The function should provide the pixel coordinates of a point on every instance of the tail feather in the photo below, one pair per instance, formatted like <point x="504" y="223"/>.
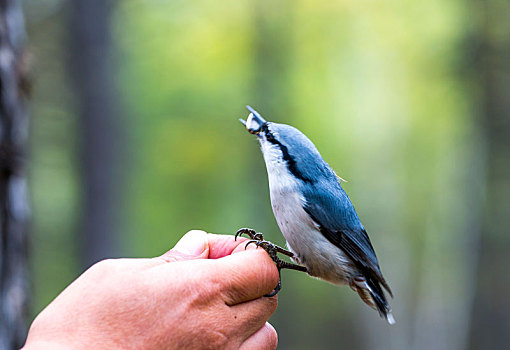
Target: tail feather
<point x="372" y="294"/>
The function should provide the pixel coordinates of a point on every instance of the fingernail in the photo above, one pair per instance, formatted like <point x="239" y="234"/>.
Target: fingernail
<point x="192" y="243"/>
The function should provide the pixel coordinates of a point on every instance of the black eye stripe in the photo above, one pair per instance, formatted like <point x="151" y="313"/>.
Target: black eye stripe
<point x="290" y="161"/>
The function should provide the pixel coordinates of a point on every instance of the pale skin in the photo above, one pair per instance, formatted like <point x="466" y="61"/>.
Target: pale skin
<point x="205" y="293"/>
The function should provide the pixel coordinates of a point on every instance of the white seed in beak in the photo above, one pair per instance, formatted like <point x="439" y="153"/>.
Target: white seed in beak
<point x="253" y="124"/>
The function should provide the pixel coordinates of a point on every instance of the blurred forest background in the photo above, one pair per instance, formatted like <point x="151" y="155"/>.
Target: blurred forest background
<point x="134" y="140"/>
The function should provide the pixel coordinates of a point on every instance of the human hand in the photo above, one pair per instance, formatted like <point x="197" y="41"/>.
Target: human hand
<point x="205" y="293"/>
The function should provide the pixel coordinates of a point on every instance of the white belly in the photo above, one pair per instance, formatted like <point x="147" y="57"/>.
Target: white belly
<point x="322" y="259"/>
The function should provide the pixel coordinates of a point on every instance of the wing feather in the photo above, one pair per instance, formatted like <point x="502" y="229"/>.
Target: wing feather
<point x="343" y="229"/>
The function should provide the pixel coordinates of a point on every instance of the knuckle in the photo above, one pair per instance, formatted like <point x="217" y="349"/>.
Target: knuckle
<point x="264" y="338"/>
<point x="272" y="339"/>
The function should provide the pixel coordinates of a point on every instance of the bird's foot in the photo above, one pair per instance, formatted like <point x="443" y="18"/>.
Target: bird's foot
<point x="272" y="249"/>
<point x="251" y="233"/>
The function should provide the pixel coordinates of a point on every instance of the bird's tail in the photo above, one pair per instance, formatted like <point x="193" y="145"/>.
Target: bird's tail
<point x="372" y="294"/>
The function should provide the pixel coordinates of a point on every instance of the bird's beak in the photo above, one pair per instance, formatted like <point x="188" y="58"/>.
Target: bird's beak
<point x="254" y="122"/>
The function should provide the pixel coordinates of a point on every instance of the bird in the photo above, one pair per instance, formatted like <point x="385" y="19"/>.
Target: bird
<point x="325" y="237"/>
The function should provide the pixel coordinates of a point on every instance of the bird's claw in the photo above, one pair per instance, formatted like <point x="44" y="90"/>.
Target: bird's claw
<point x="251" y="233"/>
<point x="272" y="250"/>
<point x="277" y="288"/>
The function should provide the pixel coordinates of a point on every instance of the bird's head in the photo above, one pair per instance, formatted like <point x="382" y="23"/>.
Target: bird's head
<point x="285" y="148"/>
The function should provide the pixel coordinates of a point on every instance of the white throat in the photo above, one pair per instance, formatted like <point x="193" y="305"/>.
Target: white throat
<point x="280" y="178"/>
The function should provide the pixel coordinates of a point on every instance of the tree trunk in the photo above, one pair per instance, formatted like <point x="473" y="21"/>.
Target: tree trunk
<point x="491" y="317"/>
<point x="93" y="74"/>
<point x="14" y="209"/>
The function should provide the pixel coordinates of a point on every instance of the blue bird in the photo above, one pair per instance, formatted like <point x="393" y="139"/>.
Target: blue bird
<point x="324" y="234"/>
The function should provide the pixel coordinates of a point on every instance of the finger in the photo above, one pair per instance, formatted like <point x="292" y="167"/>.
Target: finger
<point x="244" y="276"/>
<point x="252" y="315"/>
<point x="223" y="245"/>
<point x="198" y="244"/>
<point x="193" y="245"/>
<point x="265" y="338"/>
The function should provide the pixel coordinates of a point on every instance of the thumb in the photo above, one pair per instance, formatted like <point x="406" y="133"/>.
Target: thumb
<point x="193" y="245"/>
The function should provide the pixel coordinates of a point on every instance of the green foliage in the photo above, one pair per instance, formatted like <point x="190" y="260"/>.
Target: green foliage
<point x="376" y="85"/>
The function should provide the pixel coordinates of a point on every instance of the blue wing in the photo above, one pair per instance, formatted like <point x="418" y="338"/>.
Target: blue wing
<point x="330" y="207"/>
